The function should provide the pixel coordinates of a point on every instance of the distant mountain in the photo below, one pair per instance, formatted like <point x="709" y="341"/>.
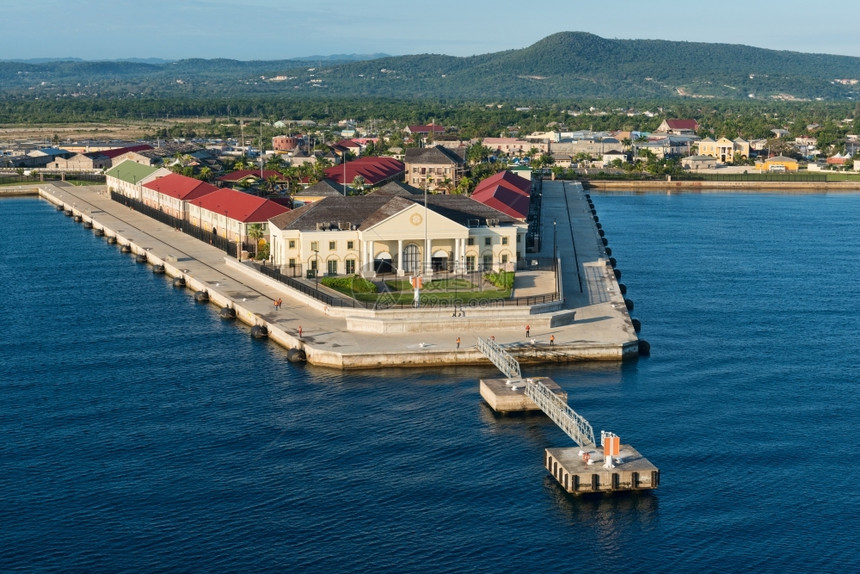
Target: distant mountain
<point x="342" y="58"/>
<point x="566" y="65"/>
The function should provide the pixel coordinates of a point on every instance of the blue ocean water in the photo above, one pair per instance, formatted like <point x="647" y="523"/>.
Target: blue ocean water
<point x="140" y="433"/>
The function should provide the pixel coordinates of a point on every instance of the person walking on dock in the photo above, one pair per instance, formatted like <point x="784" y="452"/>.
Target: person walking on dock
<point x="300" y="331"/>
<point x="528" y="331"/>
<point x="551" y="340"/>
<point x="458" y="342"/>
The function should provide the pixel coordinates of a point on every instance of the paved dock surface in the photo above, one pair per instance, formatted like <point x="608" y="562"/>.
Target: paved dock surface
<point x="600" y="321"/>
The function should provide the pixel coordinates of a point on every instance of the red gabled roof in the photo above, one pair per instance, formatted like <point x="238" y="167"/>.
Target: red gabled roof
<point x="181" y="187"/>
<point x="426" y="129"/>
<point x="373" y="169"/>
<point x="240" y="206"/>
<point x="508" y="201"/>
<point x="348" y="143"/>
<point x="241" y="174"/>
<point x="112" y="153"/>
<point x="506" y="179"/>
<point x="683" y="124"/>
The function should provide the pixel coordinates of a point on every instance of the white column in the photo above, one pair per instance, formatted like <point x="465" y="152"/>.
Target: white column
<point x="399" y="257"/>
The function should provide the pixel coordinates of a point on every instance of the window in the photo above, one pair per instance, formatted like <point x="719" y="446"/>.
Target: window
<point x="332" y="267"/>
<point x="350" y="266"/>
<point x="488" y="241"/>
<point x="292" y="262"/>
<point x="292" y="244"/>
<point x="332" y="245"/>
<point x="315" y="245"/>
<point x="470" y="262"/>
<point x="350" y="244"/>
<point x="411" y="259"/>
<point x="505" y="258"/>
<point x="519" y="238"/>
<point x="504" y="240"/>
<point x="314" y="264"/>
<point x="470" y="241"/>
<point x="488" y="262"/>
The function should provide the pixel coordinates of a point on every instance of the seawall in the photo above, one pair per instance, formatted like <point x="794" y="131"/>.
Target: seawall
<point x="584" y="330"/>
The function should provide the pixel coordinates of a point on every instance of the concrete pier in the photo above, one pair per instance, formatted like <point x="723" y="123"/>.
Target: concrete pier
<point x="506" y="396"/>
<point x="631" y="470"/>
<point x="590" y="323"/>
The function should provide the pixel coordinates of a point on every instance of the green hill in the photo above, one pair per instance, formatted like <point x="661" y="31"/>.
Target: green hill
<point x="564" y="65"/>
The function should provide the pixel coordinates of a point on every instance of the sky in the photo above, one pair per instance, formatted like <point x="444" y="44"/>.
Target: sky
<point x="283" y="29"/>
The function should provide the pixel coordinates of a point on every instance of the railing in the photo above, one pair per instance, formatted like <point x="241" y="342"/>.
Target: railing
<point x="508" y="365"/>
<point x="230" y="247"/>
<point x="428" y="299"/>
<point x="574" y="425"/>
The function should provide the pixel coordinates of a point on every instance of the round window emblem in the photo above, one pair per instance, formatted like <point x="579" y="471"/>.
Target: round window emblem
<point x="416" y="219"/>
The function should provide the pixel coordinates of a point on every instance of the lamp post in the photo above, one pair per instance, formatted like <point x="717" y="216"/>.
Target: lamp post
<point x="554" y="243"/>
<point x="317" y="270"/>
<point x="426" y="236"/>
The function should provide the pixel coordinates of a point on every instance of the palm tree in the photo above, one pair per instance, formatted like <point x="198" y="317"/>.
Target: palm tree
<point x="274" y="162"/>
<point x="255" y="232"/>
<point x="358" y="183"/>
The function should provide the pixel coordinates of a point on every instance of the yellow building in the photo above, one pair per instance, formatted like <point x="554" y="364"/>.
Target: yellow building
<point x="724" y="149"/>
<point x="779" y="163"/>
<point x="380" y="233"/>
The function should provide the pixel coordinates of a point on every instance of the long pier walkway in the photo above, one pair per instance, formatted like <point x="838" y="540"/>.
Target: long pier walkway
<point x="599" y="327"/>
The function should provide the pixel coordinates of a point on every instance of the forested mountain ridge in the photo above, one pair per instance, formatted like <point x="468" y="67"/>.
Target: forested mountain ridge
<point x="564" y="65"/>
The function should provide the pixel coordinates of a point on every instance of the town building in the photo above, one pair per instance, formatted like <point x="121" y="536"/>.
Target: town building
<point x="506" y="192"/>
<point x="434" y="168"/>
<point x="372" y="171"/>
<point x="127" y="178"/>
<point x="515" y="146"/>
<point x="779" y="163"/>
<point x="724" y="149"/>
<point x="678" y="127"/>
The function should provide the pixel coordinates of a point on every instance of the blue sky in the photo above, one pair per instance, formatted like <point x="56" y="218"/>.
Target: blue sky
<point x="278" y="29"/>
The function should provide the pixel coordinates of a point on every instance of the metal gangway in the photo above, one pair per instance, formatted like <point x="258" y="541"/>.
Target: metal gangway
<point x="574" y="425"/>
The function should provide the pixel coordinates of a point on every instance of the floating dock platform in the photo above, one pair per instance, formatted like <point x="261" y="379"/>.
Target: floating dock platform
<point x="578" y="474"/>
<point x="508" y="395"/>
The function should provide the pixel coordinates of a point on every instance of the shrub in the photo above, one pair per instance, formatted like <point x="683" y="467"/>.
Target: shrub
<point x="502" y="279"/>
<point x="349" y="285"/>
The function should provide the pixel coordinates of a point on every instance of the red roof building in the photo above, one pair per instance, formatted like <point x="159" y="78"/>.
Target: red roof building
<point x="678" y="127"/>
<point x="170" y="193"/>
<point x="251" y="176"/>
<point x="374" y="170"/>
<point x="424" y="130"/>
<point x="506" y="192"/>
<point x="229" y="213"/>
<point x="113" y="153"/>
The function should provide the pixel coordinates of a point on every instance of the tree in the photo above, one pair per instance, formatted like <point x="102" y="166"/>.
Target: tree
<point x="274" y="161"/>
<point x="255" y="232"/>
<point x="358" y="183"/>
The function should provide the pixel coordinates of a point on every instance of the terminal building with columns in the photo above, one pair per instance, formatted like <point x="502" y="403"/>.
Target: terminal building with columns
<point x="395" y="233"/>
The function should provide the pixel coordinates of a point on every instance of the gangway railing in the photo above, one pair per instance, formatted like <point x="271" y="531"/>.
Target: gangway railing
<point x="508" y="365"/>
<point x="574" y="425"/>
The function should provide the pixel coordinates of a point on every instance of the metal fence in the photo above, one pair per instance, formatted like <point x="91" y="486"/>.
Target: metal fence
<point x="454" y="299"/>
<point x="230" y="247"/>
<point x="14" y="178"/>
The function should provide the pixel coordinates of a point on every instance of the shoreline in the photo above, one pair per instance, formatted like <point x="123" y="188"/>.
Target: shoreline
<point x="722" y="186"/>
